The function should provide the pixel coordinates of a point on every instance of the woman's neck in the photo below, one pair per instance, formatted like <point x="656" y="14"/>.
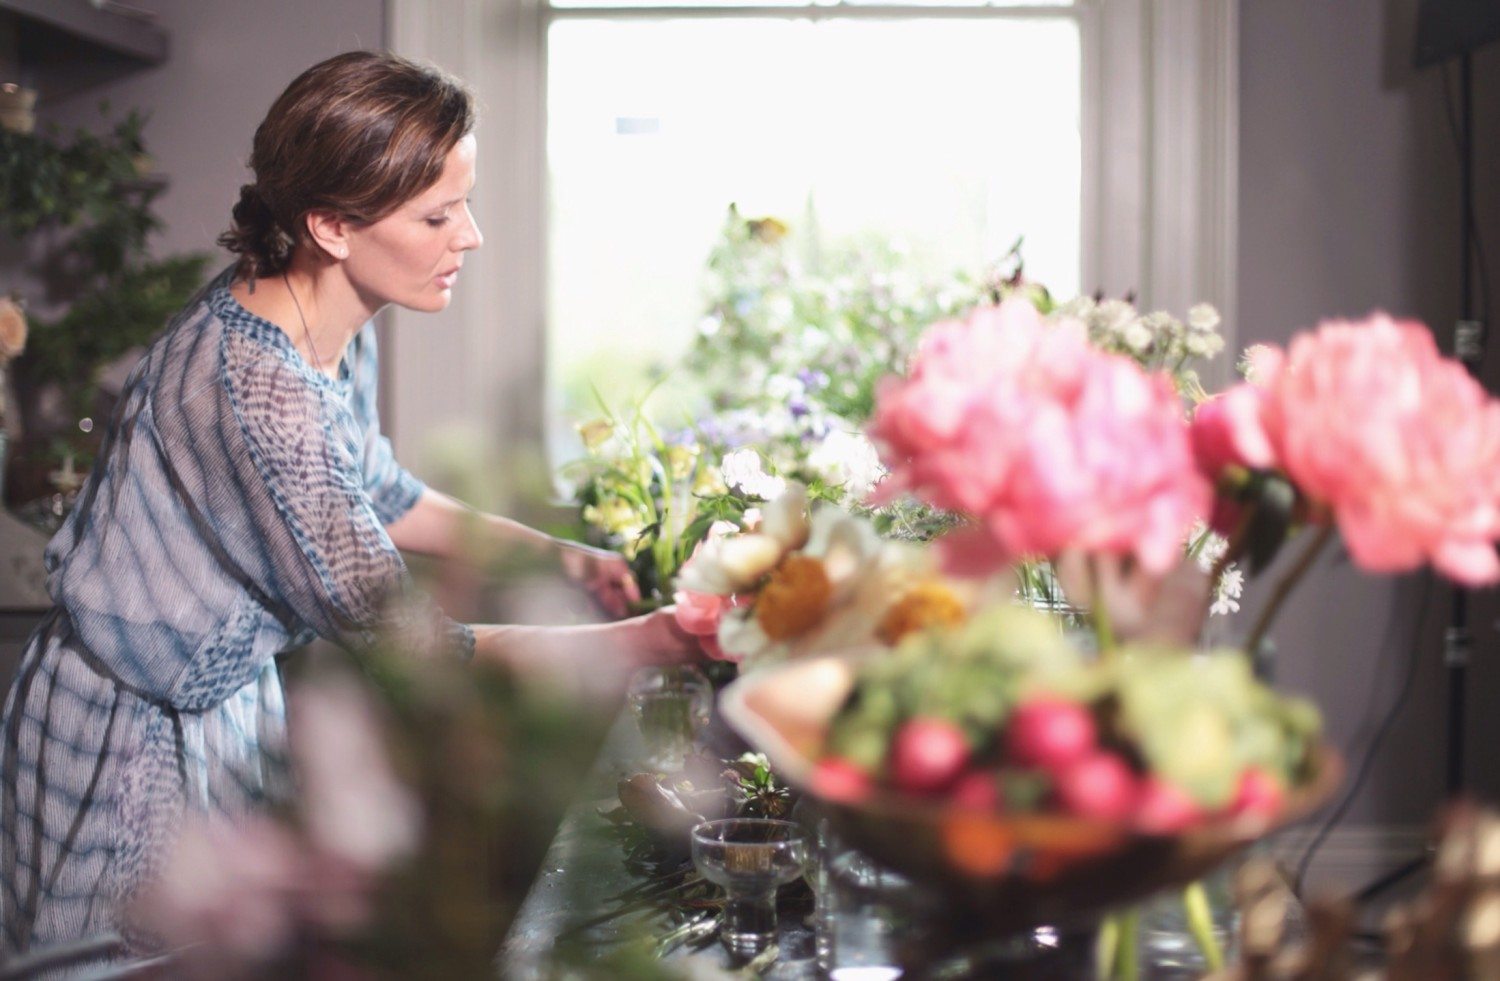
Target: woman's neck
<point x="316" y="306"/>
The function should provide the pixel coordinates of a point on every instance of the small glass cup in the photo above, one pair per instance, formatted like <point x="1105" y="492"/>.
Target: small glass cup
<point x="671" y="706"/>
<point x="750" y="858"/>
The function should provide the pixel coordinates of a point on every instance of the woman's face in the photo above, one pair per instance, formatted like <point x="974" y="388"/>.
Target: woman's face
<point x="411" y="257"/>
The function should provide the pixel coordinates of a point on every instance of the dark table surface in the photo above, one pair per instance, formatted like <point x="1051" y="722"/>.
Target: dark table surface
<point x="579" y="880"/>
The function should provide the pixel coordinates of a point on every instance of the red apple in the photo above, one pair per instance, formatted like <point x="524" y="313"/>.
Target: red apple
<point x="1049" y="734"/>
<point x="838" y="779"/>
<point x="978" y="790"/>
<point x="1259" y="794"/>
<point x="1165" y="808"/>
<point x="928" y="755"/>
<point x="1098" y="786"/>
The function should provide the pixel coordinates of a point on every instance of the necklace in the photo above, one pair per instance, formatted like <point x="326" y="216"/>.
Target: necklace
<point x="317" y="361"/>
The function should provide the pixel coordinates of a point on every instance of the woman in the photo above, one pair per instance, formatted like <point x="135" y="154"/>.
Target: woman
<point x="246" y="502"/>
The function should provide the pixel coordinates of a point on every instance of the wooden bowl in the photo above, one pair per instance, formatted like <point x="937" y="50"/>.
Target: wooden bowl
<point x="1006" y="872"/>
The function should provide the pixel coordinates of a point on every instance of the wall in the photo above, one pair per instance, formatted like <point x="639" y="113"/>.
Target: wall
<point x="228" y="61"/>
<point x="1349" y="202"/>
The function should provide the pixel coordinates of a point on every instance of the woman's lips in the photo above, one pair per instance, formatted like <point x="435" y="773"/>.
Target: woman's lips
<point x="447" y="279"/>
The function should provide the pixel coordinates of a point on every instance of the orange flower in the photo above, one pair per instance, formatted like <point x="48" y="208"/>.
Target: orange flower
<point x="929" y="604"/>
<point x="795" y="598"/>
<point x="12" y="329"/>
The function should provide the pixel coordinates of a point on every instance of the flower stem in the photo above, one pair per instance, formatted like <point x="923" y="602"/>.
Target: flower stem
<point x="1103" y="631"/>
<point x="1284" y="588"/>
<point x="1127" y="965"/>
<point x="1200" y="922"/>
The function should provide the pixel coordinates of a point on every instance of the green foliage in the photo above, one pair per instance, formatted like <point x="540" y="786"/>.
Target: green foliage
<point x="82" y="194"/>
<point x="493" y="762"/>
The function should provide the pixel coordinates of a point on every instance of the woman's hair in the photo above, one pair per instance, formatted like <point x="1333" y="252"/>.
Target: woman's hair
<point x="357" y="135"/>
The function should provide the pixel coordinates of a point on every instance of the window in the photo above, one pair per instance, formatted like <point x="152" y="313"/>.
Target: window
<point x="950" y="133"/>
<point x="615" y="135"/>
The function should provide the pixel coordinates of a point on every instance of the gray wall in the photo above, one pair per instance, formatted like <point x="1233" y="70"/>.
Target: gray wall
<point x="228" y="60"/>
<point x="1349" y="202"/>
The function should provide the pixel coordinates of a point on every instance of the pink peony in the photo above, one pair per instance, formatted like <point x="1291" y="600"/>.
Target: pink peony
<point x="1229" y="431"/>
<point x="1399" y="442"/>
<point x="1048" y="442"/>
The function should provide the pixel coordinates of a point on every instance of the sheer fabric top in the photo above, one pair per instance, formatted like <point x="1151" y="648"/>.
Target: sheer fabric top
<point x="247" y="497"/>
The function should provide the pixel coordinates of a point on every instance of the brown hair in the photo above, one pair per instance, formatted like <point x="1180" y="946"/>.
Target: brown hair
<point x="357" y="135"/>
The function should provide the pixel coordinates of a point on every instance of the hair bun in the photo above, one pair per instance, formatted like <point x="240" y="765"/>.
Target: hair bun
<point x="256" y="236"/>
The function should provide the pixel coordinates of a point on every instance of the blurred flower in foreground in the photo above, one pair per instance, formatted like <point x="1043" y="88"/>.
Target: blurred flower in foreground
<point x="1371" y="424"/>
<point x="237" y="895"/>
<point x="1049" y="443"/>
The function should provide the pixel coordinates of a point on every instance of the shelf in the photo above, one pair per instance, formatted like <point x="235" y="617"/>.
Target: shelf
<point x="62" y="47"/>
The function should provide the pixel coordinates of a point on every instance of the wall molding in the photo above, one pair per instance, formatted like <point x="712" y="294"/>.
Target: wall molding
<point x="1162" y="166"/>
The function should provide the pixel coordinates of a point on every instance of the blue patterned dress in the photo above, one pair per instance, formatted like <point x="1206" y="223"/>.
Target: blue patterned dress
<point x="237" y="510"/>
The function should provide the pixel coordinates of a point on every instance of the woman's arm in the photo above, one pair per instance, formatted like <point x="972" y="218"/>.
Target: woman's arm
<point x="441" y="526"/>
<point x="581" y="653"/>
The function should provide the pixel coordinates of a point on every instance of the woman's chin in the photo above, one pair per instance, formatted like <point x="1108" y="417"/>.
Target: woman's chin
<point x="430" y="302"/>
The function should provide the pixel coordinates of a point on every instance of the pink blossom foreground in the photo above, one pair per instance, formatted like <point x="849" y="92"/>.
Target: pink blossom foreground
<point x="1368" y="420"/>
<point x="1051" y="444"/>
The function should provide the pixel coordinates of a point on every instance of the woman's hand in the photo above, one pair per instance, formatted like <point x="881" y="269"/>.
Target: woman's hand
<point x="603" y="573"/>
<point x="594" y="657"/>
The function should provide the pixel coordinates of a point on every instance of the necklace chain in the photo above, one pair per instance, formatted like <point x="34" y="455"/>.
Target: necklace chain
<point x="306" y="332"/>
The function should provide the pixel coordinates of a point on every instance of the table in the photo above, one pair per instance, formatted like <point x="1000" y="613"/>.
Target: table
<point x="863" y="916"/>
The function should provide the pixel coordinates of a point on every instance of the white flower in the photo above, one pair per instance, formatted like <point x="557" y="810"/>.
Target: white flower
<point x="1137" y="336"/>
<point x="1227" y="592"/>
<point x="742" y="469"/>
<point x="1203" y="317"/>
<point x="780" y="388"/>
<point x="859" y="567"/>
<point x="729" y="563"/>
<point x="1213" y="548"/>
<point x="1115" y="316"/>
<point x="847" y="460"/>
<point x="1078" y="308"/>
<point x="1204" y="345"/>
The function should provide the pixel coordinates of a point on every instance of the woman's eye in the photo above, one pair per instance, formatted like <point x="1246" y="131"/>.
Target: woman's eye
<point x="438" y="222"/>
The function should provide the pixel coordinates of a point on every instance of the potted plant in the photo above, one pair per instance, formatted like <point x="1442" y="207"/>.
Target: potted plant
<point x="81" y="206"/>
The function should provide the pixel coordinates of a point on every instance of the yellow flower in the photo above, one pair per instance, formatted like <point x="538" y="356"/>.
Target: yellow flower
<point x="930" y="604"/>
<point x="795" y="598"/>
<point x="680" y="461"/>
<point x="595" y="433"/>
<point x="616" y="516"/>
<point x="768" y="230"/>
<point x="709" y="483"/>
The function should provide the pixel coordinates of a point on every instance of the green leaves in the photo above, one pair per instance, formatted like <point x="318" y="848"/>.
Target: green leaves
<point x="86" y="192"/>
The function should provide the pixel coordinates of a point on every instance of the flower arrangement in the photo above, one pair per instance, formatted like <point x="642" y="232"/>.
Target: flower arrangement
<point x="804" y="579"/>
<point x="1059" y="449"/>
<point x="779" y="304"/>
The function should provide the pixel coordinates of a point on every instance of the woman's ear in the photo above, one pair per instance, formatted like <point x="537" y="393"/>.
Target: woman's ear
<point x="329" y="232"/>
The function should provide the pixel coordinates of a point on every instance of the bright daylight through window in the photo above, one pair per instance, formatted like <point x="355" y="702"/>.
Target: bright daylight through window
<point x="946" y="134"/>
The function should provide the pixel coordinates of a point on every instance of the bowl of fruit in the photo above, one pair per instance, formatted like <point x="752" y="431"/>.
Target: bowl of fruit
<point x="1028" y="782"/>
